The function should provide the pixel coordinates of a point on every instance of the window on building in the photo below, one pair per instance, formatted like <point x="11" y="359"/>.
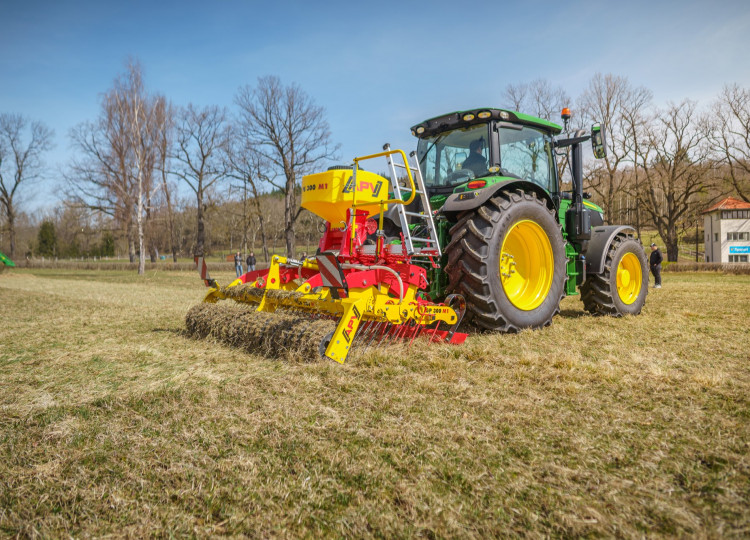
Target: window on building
<point x="735" y="214"/>
<point x="738" y="236"/>
<point x="716" y="237"/>
<point x="738" y="258"/>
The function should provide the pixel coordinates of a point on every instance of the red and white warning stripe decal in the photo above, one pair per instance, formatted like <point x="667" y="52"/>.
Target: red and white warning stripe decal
<point x="200" y="265"/>
<point x="330" y="270"/>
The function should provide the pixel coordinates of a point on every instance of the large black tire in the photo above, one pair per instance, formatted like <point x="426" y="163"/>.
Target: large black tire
<point x="474" y="256"/>
<point x="603" y="295"/>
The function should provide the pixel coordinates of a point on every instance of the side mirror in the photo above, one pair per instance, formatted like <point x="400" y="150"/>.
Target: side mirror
<point x="598" y="141"/>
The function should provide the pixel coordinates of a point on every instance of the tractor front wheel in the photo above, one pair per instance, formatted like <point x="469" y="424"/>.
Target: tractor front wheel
<point x="507" y="259"/>
<point x="622" y="287"/>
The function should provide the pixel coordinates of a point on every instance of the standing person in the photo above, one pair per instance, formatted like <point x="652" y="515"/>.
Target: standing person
<point x="251" y="262"/>
<point x="238" y="264"/>
<point x="654" y="262"/>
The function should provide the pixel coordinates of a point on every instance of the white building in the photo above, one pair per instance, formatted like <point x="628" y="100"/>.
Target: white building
<point x="727" y="226"/>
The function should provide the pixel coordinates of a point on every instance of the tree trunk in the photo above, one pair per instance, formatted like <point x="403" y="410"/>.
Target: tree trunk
<point x="671" y="241"/>
<point x="263" y="238"/>
<point x="244" y="218"/>
<point x="261" y="223"/>
<point x="170" y="218"/>
<point x="149" y="232"/>
<point x="290" y="240"/>
<point x="672" y="251"/>
<point x="139" y="220"/>
<point x="637" y="202"/>
<point x="11" y="229"/>
<point x="289" y="223"/>
<point x="131" y="241"/>
<point x="290" y="208"/>
<point x="201" y="235"/>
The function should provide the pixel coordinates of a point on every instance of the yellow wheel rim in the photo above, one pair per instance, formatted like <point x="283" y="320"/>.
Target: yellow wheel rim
<point x="629" y="278"/>
<point x="526" y="265"/>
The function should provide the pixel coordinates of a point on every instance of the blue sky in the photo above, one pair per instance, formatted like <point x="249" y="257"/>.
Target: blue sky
<point x="376" y="67"/>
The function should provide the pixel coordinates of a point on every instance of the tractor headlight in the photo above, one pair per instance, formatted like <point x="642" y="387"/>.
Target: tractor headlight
<point x="468" y="117"/>
<point x="484" y="114"/>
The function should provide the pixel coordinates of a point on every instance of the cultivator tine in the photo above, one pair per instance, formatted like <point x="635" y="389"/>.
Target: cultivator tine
<point x="393" y="332"/>
<point x="401" y="334"/>
<point x="434" y="332"/>
<point x="417" y="333"/>
<point x="372" y="332"/>
<point x="411" y="331"/>
<point x="367" y="330"/>
<point x="383" y="337"/>
<point x="363" y="333"/>
<point x="361" y="329"/>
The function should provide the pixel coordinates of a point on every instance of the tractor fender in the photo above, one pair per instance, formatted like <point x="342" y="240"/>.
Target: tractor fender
<point x="601" y="238"/>
<point x="468" y="200"/>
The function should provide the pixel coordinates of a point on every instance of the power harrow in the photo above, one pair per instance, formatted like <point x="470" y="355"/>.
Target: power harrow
<point x="363" y="288"/>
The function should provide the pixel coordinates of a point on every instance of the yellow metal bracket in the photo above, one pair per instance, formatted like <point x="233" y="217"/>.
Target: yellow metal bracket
<point x="343" y="336"/>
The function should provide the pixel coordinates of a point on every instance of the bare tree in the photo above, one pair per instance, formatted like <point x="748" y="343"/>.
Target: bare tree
<point x="99" y="179"/>
<point x="137" y="110"/>
<point x="253" y="171"/>
<point x="541" y="99"/>
<point x="676" y="170"/>
<point x="730" y="136"/>
<point x="200" y="138"/>
<point x="115" y="174"/>
<point x="613" y="102"/>
<point x="20" y="162"/>
<point x="287" y="129"/>
<point x="164" y="139"/>
<point x="636" y="118"/>
<point x="538" y="98"/>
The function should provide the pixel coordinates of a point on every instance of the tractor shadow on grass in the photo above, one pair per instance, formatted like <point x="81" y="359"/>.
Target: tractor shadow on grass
<point x="573" y="314"/>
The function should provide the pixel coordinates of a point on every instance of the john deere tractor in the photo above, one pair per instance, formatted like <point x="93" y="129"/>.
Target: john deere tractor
<point x="514" y="242"/>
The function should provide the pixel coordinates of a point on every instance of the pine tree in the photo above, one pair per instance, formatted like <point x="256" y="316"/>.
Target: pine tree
<point x="47" y="239"/>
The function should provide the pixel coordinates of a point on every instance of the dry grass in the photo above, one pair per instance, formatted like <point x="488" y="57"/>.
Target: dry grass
<point x="120" y="265"/>
<point x="725" y="268"/>
<point x="112" y="422"/>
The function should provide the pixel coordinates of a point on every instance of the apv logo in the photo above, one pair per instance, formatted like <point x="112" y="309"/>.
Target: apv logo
<point x="350" y="326"/>
<point x="362" y="185"/>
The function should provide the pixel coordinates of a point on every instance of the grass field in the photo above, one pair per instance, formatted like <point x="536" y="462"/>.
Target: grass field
<point x="114" y="423"/>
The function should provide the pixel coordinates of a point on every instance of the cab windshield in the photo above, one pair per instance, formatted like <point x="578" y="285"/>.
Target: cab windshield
<point x="447" y="159"/>
<point x="455" y="157"/>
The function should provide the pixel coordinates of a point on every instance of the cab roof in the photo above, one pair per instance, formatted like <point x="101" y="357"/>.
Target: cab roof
<point x="472" y="116"/>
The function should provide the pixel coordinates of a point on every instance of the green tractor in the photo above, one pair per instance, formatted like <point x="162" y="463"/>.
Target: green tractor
<point x="5" y="262"/>
<point x="513" y="242"/>
<point x="474" y="225"/>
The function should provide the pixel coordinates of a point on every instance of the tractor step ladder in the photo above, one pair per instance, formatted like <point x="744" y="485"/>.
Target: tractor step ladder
<point x="431" y="247"/>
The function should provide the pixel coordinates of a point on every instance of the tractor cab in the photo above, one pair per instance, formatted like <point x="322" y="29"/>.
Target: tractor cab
<point x="483" y="146"/>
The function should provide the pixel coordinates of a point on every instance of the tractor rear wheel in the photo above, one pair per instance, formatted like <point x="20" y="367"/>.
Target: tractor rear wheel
<point x="622" y="287"/>
<point x="507" y="258"/>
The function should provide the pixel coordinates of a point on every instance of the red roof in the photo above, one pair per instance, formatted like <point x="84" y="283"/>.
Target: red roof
<point x="730" y="203"/>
